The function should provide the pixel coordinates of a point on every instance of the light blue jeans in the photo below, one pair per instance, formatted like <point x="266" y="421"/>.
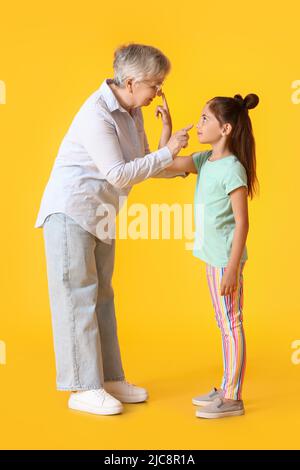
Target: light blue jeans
<point x="79" y="270"/>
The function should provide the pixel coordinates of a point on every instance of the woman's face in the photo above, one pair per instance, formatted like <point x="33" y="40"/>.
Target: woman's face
<point x="144" y="92"/>
<point x="209" y="130"/>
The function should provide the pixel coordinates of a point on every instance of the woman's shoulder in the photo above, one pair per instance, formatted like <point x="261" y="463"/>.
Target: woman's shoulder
<point x="94" y="108"/>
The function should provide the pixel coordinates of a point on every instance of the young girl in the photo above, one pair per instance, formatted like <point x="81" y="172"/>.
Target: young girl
<point x="226" y="177"/>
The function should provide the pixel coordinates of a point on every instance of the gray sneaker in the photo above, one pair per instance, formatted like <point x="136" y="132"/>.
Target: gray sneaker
<point x="220" y="409"/>
<point x="203" y="400"/>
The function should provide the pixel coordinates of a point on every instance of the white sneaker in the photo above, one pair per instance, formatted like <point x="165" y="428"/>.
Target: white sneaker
<point x="97" y="401"/>
<point x="126" y="392"/>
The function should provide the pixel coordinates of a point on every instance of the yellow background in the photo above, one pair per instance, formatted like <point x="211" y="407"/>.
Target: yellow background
<point x="53" y="55"/>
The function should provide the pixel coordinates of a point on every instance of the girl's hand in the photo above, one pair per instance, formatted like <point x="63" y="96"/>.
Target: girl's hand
<point x="229" y="282"/>
<point x="164" y="112"/>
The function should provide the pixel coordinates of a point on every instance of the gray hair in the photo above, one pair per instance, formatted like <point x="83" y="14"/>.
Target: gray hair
<point x="139" y="62"/>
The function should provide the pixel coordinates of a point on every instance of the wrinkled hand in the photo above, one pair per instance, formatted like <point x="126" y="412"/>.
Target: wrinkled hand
<point x="164" y="112"/>
<point x="179" y="140"/>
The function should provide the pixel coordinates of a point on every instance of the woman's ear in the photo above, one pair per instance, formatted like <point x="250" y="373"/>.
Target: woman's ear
<point x="128" y="85"/>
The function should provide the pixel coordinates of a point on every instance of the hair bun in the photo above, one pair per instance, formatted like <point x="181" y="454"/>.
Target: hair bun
<point x="240" y="99"/>
<point x="249" y="102"/>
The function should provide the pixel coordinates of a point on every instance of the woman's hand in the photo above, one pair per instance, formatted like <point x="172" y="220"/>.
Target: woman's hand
<point x="179" y="140"/>
<point x="229" y="281"/>
<point x="164" y="112"/>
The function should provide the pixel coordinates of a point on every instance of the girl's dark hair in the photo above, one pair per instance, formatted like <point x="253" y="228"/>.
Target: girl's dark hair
<point x="240" y="140"/>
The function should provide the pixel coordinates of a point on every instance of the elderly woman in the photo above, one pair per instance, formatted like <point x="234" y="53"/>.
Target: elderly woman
<point x="104" y="152"/>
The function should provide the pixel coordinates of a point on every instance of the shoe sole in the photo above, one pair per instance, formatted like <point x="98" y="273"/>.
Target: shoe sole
<point x="125" y="399"/>
<point x="97" y="411"/>
<point x="203" y="414"/>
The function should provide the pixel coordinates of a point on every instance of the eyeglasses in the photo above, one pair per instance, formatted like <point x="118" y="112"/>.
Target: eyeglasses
<point x="157" y="88"/>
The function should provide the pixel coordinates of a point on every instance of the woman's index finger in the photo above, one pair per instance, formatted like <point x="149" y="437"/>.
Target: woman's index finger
<point x="165" y="104"/>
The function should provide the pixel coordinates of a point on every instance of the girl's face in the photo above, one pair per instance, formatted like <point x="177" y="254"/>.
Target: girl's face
<point x="209" y="130"/>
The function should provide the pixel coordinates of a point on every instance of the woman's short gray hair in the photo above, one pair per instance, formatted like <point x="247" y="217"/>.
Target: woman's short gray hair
<point x="139" y="62"/>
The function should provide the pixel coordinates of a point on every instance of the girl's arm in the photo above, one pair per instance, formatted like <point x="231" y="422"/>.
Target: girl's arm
<point x="239" y="202"/>
<point x="183" y="164"/>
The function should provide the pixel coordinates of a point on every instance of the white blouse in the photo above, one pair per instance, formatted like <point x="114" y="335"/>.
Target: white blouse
<point x="104" y="152"/>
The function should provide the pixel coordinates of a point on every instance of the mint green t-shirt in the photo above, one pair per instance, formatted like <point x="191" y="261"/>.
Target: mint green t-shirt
<point x="214" y="219"/>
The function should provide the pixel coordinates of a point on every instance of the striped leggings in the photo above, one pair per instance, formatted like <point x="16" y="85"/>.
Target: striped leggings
<point x="229" y="315"/>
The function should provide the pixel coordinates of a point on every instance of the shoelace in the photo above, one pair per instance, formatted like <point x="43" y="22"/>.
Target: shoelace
<point x="127" y="383"/>
<point x="100" y="392"/>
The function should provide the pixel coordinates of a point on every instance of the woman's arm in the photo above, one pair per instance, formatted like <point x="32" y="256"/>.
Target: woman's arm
<point x="166" y="119"/>
<point x="97" y="134"/>
<point x="239" y="204"/>
<point x="164" y="112"/>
